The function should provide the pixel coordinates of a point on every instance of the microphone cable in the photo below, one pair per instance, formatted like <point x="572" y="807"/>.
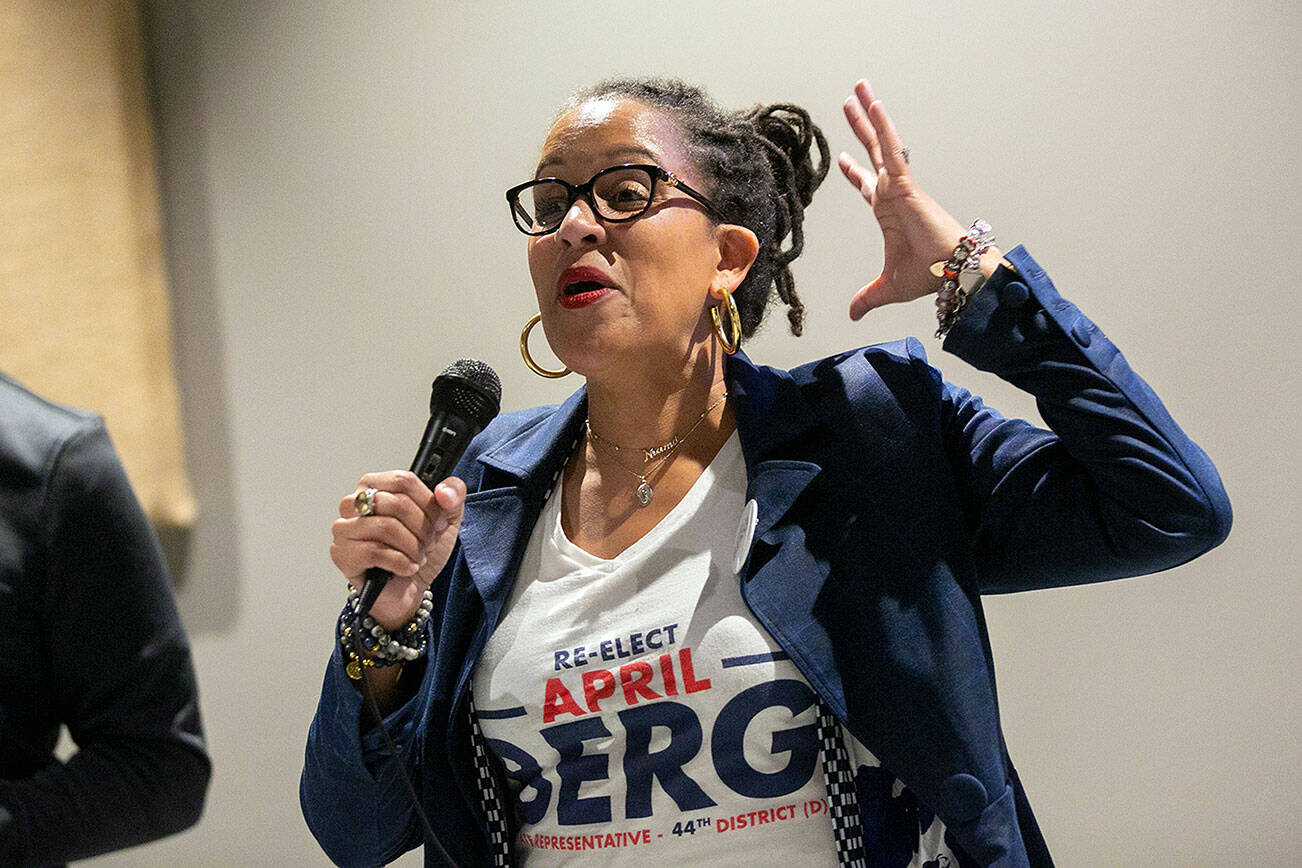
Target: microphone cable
<point x="374" y="707"/>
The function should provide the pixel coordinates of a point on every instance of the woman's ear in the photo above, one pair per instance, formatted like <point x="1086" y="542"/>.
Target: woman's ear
<point x="738" y="248"/>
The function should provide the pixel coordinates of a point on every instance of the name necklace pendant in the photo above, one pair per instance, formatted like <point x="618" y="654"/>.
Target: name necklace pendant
<point x="663" y="452"/>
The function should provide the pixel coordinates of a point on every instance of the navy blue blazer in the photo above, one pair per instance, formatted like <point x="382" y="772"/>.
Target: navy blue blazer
<point x="889" y="501"/>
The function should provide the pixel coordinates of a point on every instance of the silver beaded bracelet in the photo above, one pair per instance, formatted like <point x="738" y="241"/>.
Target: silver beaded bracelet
<point x="953" y="296"/>
<point x="375" y="646"/>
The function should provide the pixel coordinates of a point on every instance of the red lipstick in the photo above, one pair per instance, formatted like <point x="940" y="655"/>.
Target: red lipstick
<point x="581" y="286"/>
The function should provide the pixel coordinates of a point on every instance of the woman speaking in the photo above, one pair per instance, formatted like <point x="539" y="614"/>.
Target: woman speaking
<point x="709" y="611"/>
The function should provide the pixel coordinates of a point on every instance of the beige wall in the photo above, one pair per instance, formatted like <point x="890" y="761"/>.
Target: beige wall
<point x="333" y="179"/>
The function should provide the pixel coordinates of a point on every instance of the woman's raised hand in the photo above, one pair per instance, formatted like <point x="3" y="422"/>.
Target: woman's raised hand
<point x="410" y="532"/>
<point x="916" y="230"/>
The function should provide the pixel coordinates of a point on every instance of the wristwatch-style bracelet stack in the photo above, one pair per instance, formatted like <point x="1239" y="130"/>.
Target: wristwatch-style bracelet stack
<point x="378" y="647"/>
<point x="965" y="261"/>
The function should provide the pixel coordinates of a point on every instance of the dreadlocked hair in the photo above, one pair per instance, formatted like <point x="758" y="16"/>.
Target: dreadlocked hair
<point x="758" y="170"/>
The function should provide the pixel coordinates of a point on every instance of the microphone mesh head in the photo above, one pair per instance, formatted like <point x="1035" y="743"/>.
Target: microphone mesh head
<point x="471" y="389"/>
<point x="477" y="374"/>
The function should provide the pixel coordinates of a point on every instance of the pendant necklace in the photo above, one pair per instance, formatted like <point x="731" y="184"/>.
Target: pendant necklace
<point x="663" y="452"/>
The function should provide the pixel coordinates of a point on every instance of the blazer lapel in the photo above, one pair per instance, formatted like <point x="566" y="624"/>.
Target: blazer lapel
<point x="781" y="578"/>
<point x="895" y="631"/>
<point x="518" y="475"/>
<point x="495" y="526"/>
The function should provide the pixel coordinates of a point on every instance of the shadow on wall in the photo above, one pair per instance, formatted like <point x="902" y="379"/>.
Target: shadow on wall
<point x="205" y="561"/>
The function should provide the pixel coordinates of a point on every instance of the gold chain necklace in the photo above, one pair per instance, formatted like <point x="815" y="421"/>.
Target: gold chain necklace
<point x="664" y="452"/>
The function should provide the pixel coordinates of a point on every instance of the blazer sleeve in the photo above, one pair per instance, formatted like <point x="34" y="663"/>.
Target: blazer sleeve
<point x="119" y="674"/>
<point x="351" y="790"/>
<point x="1114" y="489"/>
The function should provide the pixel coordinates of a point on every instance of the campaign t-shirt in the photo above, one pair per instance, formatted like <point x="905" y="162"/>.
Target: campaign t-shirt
<point x="643" y="716"/>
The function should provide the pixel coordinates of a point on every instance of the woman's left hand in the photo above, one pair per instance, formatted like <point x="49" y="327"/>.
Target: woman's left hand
<point x="916" y="230"/>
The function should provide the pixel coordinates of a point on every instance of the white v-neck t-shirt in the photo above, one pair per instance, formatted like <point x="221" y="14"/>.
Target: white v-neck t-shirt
<point x="643" y="716"/>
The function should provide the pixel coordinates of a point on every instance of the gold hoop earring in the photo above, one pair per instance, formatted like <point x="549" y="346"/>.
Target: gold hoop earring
<point x="732" y="339"/>
<point x="528" y="359"/>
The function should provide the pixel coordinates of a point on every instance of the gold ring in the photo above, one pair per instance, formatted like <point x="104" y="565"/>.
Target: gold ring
<point x="364" y="502"/>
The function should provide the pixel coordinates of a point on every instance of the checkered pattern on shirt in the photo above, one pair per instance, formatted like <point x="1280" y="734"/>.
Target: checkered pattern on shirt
<point x="499" y="837"/>
<point x="842" y="799"/>
<point x="490" y="799"/>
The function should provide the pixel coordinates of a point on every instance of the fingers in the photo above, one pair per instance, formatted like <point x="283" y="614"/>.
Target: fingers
<point x="873" y="126"/>
<point x="867" y="298"/>
<point x="892" y="146"/>
<point x="450" y="497"/>
<point x="856" y="113"/>
<point x="375" y="541"/>
<point x="864" y="179"/>
<point x="407" y="523"/>
<point x="863" y="91"/>
<point x="388" y="504"/>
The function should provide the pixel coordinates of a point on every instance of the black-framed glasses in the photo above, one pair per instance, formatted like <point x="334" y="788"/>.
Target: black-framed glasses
<point x="617" y="195"/>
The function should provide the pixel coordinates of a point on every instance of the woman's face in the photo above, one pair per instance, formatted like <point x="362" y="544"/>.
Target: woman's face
<point x="616" y="296"/>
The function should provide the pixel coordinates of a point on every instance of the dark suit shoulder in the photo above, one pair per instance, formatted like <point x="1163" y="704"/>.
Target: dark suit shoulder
<point x="867" y="378"/>
<point x="34" y="431"/>
<point x="894" y="358"/>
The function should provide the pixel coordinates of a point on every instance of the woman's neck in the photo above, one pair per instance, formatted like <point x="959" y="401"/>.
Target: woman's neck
<point x="646" y="411"/>
<point x="613" y="497"/>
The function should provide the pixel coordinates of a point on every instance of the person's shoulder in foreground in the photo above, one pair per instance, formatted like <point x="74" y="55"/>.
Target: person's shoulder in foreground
<point x="93" y="642"/>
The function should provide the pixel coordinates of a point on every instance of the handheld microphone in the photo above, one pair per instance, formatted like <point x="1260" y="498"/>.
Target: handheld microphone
<point x="464" y="398"/>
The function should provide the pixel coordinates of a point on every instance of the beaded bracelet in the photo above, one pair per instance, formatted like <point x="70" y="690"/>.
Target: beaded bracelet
<point x="409" y="642"/>
<point x="953" y="297"/>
